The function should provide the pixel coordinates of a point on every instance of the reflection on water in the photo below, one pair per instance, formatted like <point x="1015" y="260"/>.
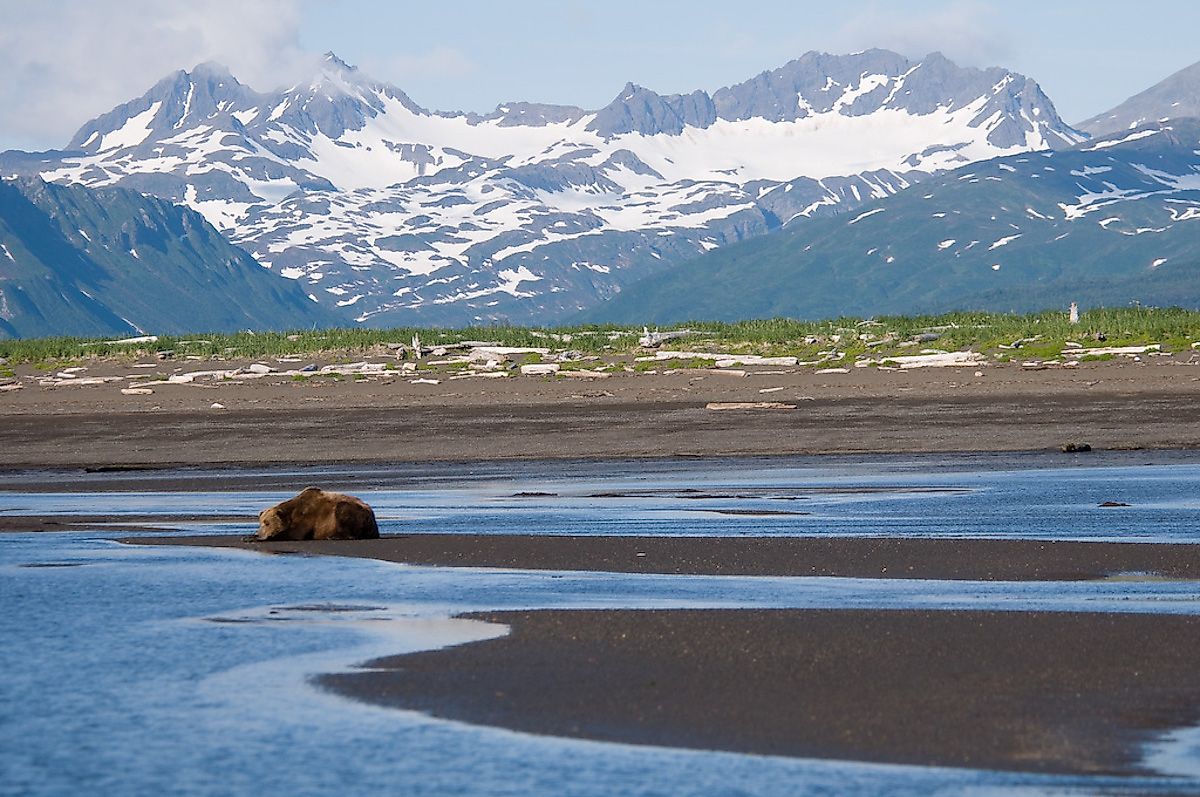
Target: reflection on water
<point x="149" y="670"/>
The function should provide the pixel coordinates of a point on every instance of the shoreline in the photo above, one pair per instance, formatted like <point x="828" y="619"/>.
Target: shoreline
<point x="1106" y="405"/>
<point x="1046" y="692"/>
<point x="364" y="475"/>
<point x="636" y="432"/>
<point x="1035" y="692"/>
<point x="843" y="557"/>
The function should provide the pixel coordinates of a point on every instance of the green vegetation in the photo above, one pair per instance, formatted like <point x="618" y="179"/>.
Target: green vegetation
<point x="71" y="266"/>
<point x="345" y="343"/>
<point x="675" y="364"/>
<point x="989" y="236"/>
<point x="1006" y="336"/>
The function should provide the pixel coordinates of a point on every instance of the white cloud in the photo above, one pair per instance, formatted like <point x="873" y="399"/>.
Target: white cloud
<point x="64" y="62"/>
<point x="965" y="31"/>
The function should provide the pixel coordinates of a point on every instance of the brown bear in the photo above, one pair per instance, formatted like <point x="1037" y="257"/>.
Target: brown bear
<point x="317" y="515"/>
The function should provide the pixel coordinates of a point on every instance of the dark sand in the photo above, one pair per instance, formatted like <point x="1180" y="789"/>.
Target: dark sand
<point x="1046" y="692"/>
<point x="1042" y="692"/>
<point x="37" y="523"/>
<point x="970" y="559"/>
<point x="1109" y="405"/>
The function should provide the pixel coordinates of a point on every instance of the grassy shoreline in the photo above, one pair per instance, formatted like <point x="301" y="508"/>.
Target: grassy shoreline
<point x="1002" y="336"/>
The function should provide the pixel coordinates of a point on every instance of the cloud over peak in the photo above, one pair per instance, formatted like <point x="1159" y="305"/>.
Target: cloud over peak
<point x="65" y="62"/>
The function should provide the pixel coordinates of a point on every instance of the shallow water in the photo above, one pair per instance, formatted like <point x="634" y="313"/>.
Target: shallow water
<point x="1043" y="499"/>
<point x="173" y="670"/>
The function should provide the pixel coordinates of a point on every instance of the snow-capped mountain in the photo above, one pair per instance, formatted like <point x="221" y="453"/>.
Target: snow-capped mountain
<point x="1108" y="222"/>
<point x="1176" y="97"/>
<point x="533" y="212"/>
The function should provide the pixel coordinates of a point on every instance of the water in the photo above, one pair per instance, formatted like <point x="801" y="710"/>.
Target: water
<point x="1019" y="499"/>
<point x="174" y="670"/>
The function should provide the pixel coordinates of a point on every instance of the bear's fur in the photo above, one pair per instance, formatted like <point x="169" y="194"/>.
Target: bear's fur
<point x="318" y="515"/>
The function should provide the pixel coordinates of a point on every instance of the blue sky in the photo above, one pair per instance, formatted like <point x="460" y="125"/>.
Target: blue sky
<point x="1088" y="55"/>
<point x="64" y="61"/>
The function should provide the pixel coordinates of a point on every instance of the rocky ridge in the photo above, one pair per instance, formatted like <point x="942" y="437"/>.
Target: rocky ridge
<point x="388" y="213"/>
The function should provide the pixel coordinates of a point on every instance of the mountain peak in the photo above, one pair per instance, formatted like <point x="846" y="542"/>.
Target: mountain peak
<point x="334" y="75"/>
<point x="1176" y="97"/>
<point x="212" y="69"/>
<point x="331" y="62"/>
<point x="342" y="182"/>
<point x="207" y="90"/>
<point x="640" y="110"/>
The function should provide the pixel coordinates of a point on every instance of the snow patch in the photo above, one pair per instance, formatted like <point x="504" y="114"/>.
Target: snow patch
<point x="245" y="117"/>
<point x="187" y="104"/>
<point x="862" y="216"/>
<point x="135" y="130"/>
<point x="1089" y="171"/>
<point x="1185" y="215"/>
<point x="1116" y="142"/>
<point x="510" y="280"/>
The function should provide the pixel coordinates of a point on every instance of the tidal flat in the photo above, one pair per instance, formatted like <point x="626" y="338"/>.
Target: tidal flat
<point x="974" y="622"/>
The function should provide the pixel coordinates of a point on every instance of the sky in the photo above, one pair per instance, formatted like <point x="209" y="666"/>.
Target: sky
<point x="63" y="62"/>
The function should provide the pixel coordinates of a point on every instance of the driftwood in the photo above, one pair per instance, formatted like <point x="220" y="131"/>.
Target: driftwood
<point x="652" y="340"/>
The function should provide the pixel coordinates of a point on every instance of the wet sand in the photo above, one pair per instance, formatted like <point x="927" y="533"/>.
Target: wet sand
<point x="1046" y="692"/>
<point x="43" y="523"/>
<point x="962" y="559"/>
<point x="1026" y="691"/>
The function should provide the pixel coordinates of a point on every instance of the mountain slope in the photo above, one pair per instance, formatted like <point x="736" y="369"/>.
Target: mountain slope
<point x="76" y="261"/>
<point x="1108" y="222"/>
<point x="391" y="213"/>
<point x="1177" y="97"/>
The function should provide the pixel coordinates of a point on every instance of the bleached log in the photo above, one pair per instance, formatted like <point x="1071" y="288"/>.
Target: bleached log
<point x="540" y="369"/>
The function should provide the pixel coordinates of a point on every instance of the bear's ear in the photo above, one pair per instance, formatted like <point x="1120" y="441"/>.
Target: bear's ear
<point x="260" y="514"/>
<point x="310" y="490"/>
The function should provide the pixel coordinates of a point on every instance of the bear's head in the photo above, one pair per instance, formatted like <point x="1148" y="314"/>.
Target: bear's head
<point x="271" y="523"/>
